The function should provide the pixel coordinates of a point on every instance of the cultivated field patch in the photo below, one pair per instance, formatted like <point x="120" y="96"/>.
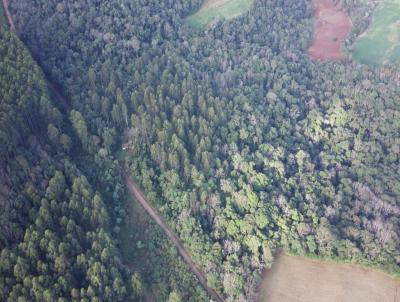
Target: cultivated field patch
<point x="303" y="280"/>
<point x="331" y="27"/>
<point x="218" y="9"/>
<point x="380" y="44"/>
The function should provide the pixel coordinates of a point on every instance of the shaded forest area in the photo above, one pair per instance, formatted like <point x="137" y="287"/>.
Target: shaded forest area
<point x="243" y="143"/>
<point x="55" y="234"/>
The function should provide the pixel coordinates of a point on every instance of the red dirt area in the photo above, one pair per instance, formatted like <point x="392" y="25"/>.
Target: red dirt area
<point x="332" y="25"/>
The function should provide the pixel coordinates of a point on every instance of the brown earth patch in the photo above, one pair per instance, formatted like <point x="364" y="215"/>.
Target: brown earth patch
<point x="297" y="279"/>
<point x="331" y="27"/>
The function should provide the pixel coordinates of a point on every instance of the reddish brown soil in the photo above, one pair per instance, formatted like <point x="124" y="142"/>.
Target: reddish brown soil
<point x="332" y="25"/>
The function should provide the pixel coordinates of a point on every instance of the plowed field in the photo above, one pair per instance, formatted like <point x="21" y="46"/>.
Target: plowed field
<point x="331" y="27"/>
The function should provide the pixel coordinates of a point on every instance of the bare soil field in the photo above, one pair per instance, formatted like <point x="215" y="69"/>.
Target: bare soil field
<point x="297" y="279"/>
<point x="332" y="25"/>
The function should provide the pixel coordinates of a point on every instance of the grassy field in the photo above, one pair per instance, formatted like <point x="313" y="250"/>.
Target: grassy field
<point x="3" y="19"/>
<point x="218" y="9"/>
<point x="380" y="44"/>
<point x="294" y="278"/>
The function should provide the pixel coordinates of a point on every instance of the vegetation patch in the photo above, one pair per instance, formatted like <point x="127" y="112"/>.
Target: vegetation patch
<point x="244" y="146"/>
<point x="380" y="44"/>
<point x="218" y="9"/>
<point x="147" y="252"/>
<point x="300" y="279"/>
<point x="332" y="25"/>
<point x="3" y="19"/>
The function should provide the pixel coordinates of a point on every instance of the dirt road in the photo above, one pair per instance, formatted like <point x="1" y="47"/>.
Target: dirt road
<point x="139" y="196"/>
<point x="137" y="193"/>
<point x="8" y="15"/>
<point x="50" y="84"/>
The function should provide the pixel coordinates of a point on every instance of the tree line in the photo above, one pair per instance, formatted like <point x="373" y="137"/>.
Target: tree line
<point x="244" y="144"/>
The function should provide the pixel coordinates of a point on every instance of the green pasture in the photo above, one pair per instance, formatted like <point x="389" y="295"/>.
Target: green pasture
<point x="228" y="10"/>
<point x="380" y="44"/>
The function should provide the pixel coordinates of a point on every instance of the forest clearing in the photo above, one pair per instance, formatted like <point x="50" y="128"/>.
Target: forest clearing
<point x="331" y="27"/>
<point x="294" y="278"/>
<point x="218" y="9"/>
<point x="380" y="44"/>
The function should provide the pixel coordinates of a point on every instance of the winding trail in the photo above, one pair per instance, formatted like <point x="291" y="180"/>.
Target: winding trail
<point x="8" y="15"/>
<point x="135" y="191"/>
<point x="139" y="196"/>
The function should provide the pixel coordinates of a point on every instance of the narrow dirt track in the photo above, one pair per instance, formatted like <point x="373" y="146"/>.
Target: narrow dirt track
<point x="50" y="84"/>
<point x="139" y="196"/>
<point x="8" y="15"/>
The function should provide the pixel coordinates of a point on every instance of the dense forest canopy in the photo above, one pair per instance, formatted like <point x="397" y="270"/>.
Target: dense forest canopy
<point x="244" y="144"/>
<point x="55" y="235"/>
